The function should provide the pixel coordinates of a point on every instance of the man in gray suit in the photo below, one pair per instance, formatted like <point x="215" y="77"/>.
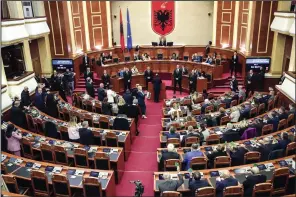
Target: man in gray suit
<point x="170" y="185"/>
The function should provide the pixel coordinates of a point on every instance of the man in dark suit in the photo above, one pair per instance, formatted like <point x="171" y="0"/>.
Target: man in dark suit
<point x="17" y="116"/>
<point x="234" y="63"/>
<point x="106" y="80"/>
<point x="133" y="111"/>
<point x="172" y="133"/>
<point x="196" y="183"/>
<point x="90" y="88"/>
<point x="177" y="79"/>
<point x="184" y="70"/>
<point x="190" y="133"/>
<point x="220" y="151"/>
<point x="234" y="84"/>
<point x="208" y="48"/>
<point x="101" y="92"/>
<point x="282" y="113"/>
<point x="283" y="142"/>
<point x="148" y="74"/>
<point x="39" y="100"/>
<point x="265" y="148"/>
<point x="237" y="155"/>
<point x="127" y="96"/>
<point x="25" y="97"/>
<point x="88" y="74"/>
<point x="86" y="135"/>
<point x="170" y="154"/>
<point x="274" y="120"/>
<point x="245" y="112"/>
<point x="127" y="78"/>
<point x="252" y="180"/>
<point x="156" y="87"/>
<point x="225" y="181"/>
<point x="85" y="60"/>
<point x="170" y="185"/>
<point x="250" y="82"/>
<point x="192" y="81"/>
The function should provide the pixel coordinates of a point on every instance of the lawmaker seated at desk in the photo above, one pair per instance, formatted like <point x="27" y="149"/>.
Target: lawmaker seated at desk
<point x="190" y="133"/>
<point x="174" y="57"/>
<point x="137" y="56"/>
<point x="195" y="152"/>
<point x="146" y="57"/>
<point x="219" y="151"/>
<point x="171" y="153"/>
<point x="225" y="180"/>
<point x="209" y="60"/>
<point x="134" y="70"/>
<point x="172" y="133"/>
<point x="252" y="180"/>
<point x="197" y="182"/>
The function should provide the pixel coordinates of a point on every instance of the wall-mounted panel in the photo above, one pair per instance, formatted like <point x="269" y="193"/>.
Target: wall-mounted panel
<point x="242" y="25"/>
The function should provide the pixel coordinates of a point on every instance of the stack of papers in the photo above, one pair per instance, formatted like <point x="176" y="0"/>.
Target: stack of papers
<point x="103" y="175"/>
<point x="57" y="170"/>
<point x="79" y="172"/>
<point x="3" y="157"/>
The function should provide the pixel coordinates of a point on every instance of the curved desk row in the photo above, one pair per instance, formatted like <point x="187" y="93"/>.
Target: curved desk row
<point x="116" y="157"/>
<point x="36" y="118"/>
<point x="23" y="173"/>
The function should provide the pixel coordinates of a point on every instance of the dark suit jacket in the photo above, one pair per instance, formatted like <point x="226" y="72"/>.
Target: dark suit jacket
<point x="251" y="181"/>
<point x="90" y="75"/>
<point x="18" y="117"/>
<point x="150" y="74"/>
<point x="90" y="89"/>
<point x="106" y="108"/>
<point x="168" y="155"/>
<point x="25" y="98"/>
<point x="101" y="94"/>
<point x="220" y="185"/>
<point x="215" y="154"/>
<point x="141" y="98"/>
<point x="86" y="136"/>
<point x="234" y="61"/>
<point x="184" y="71"/>
<point x="237" y="157"/>
<point x="156" y="84"/>
<point x="171" y="185"/>
<point x="51" y="130"/>
<point x="189" y="135"/>
<point x="178" y="75"/>
<point x="275" y="122"/>
<point x="85" y="62"/>
<point x="265" y="151"/>
<point x="282" y="144"/>
<point x="203" y="108"/>
<point x="283" y="116"/>
<point x="234" y="85"/>
<point x="106" y="79"/>
<point x="128" y="98"/>
<point x="230" y="136"/>
<point x="193" y="79"/>
<point x="197" y="184"/>
<point x="127" y="76"/>
<point x="252" y="79"/>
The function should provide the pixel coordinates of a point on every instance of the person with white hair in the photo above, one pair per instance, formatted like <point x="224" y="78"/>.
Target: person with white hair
<point x="252" y="180"/>
<point x="265" y="148"/>
<point x="207" y="103"/>
<point x="235" y="114"/>
<point x="225" y="181"/>
<point x="170" y="185"/>
<point x="90" y="87"/>
<point x="111" y="96"/>
<point x="241" y="92"/>
<point x="169" y="154"/>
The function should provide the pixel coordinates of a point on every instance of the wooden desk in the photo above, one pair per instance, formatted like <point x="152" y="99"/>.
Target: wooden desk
<point x="108" y="185"/>
<point x="160" y="66"/>
<point x="201" y="83"/>
<point x="124" y="137"/>
<point x="118" y="83"/>
<point x="116" y="160"/>
<point x="167" y="51"/>
<point x="206" y="174"/>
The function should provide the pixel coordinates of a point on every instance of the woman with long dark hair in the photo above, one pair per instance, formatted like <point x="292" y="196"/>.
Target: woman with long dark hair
<point x="13" y="140"/>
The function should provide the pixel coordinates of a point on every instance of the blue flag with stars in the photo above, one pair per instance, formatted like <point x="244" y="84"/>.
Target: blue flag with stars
<point x="129" y="33"/>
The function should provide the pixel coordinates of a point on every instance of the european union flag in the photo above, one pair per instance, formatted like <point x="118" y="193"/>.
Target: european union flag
<point x="129" y="32"/>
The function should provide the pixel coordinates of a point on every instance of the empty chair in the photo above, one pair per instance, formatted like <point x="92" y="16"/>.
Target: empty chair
<point x="261" y="108"/>
<point x="31" y="124"/>
<point x="233" y="191"/>
<point x="61" y="155"/>
<point x="102" y="161"/>
<point x="64" y="133"/>
<point x="196" y="111"/>
<point x="253" y="112"/>
<point x="39" y="125"/>
<point x="81" y="158"/>
<point x="190" y="123"/>
<point x="209" y="109"/>
<point x="222" y="162"/>
<point x="280" y="180"/>
<point x="12" y="185"/>
<point x="224" y="120"/>
<point x="262" y="189"/>
<point x="252" y="157"/>
<point x="92" y="187"/>
<point x="291" y="149"/>
<point x="198" y="163"/>
<point x="205" y="192"/>
<point x="170" y="164"/>
<point x="213" y="139"/>
<point x="233" y="103"/>
<point x="111" y="139"/>
<point x="267" y="129"/>
<point x="40" y="183"/>
<point x="89" y="119"/>
<point x="290" y="120"/>
<point x="27" y="149"/>
<point x="282" y="124"/>
<point x="97" y="139"/>
<point x="47" y="153"/>
<point x="276" y="154"/>
<point x="61" y="186"/>
<point x="104" y="122"/>
<point x="191" y="140"/>
<point x="66" y="114"/>
<point x="270" y="105"/>
<point x="97" y="108"/>
<point x="174" y="141"/>
<point x="171" y="194"/>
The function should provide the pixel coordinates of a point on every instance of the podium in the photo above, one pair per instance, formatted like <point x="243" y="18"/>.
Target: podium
<point x="162" y="93"/>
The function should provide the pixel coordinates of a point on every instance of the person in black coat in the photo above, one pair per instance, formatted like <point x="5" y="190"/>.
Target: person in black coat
<point x="148" y="74"/>
<point x="101" y="92"/>
<point x="25" y="97"/>
<point x="128" y="98"/>
<point x="170" y="154"/>
<point x="177" y="79"/>
<point x="106" y="80"/>
<point x="85" y="60"/>
<point x="133" y="111"/>
<point x="86" y="135"/>
<point x="51" y="130"/>
<point x="265" y="148"/>
<point x="162" y="41"/>
<point x="17" y="116"/>
<point x="156" y="87"/>
<point x="234" y="63"/>
<point x="192" y="81"/>
<point x="51" y="106"/>
<point x="88" y="74"/>
<point x="220" y="151"/>
<point x="233" y="84"/>
<point x="106" y="107"/>
<point x="237" y="155"/>
<point x="39" y="100"/>
<point x="90" y="88"/>
<point x="208" y="48"/>
<point x="250" y="84"/>
<point x="196" y="183"/>
<point x="127" y="78"/>
<point x="252" y="180"/>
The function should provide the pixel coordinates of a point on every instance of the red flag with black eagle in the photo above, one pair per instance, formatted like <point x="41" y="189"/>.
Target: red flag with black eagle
<point x="121" y="33"/>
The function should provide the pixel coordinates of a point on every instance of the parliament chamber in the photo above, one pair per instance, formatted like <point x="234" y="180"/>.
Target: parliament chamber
<point x="148" y="98"/>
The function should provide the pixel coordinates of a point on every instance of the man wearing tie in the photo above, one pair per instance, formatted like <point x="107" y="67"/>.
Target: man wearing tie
<point x="234" y="63"/>
<point x="156" y="87"/>
<point x="148" y="76"/>
<point x="250" y="82"/>
<point x="85" y="60"/>
<point x="177" y="79"/>
<point x="88" y="73"/>
<point x="127" y="78"/>
<point x="192" y="81"/>
<point x="106" y="80"/>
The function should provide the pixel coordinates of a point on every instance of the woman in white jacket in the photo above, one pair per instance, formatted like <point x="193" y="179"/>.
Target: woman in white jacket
<point x="235" y="114"/>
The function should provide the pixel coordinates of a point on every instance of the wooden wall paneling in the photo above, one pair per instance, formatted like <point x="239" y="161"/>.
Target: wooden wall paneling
<point x="225" y="23"/>
<point x="242" y="25"/>
<point x="262" y="35"/>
